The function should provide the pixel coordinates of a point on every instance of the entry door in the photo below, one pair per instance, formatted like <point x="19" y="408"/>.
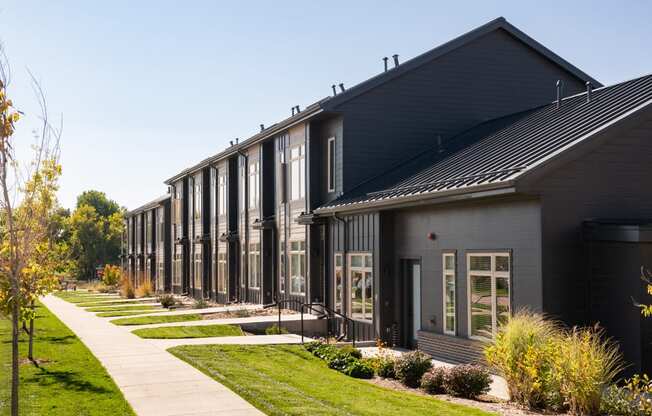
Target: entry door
<point x="411" y="310"/>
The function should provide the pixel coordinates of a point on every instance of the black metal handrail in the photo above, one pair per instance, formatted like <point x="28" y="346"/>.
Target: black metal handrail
<point x="313" y="306"/>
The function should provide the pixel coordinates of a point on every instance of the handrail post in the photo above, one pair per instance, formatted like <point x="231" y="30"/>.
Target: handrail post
<point x="279" y="317"/>
<point x="353" y="337"/>
<point x="302" y="324"/>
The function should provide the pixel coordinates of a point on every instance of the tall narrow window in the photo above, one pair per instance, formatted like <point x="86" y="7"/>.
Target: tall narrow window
<point x="489" y="297"/>
<point x="331" y="164"/>
<point x="198" y="267"/>
<point x="221" y="195"/>
<point x="360" y="271"/>
<point x="254" y="184"/>
<point x="298" y="172"/>
<point x="448" y="267"/>
<point x="281" y="266"/>
<point x="339" y="282"/>
<point x="198" y="199"/>
<point x="243" y="182"/>
<point x="254" y="265"/>
<point x="298" y="267"/>
<point x="221" y="270"/>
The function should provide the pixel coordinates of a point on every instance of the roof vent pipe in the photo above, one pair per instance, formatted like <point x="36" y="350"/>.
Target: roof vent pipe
<point x="298" y="109"/>
<point x="237" y="139"/>
<point x="385" y="59"/>
<point x="334" y="90"/>
<point x="342" y="87"/>
<point x="293" y="110"/>
<point x="262" y="127"/>
<point x="560" y="86"/>
<point x="231" y="142"/>
<point x="395" y="60"/>
<point x="589" y="91"/>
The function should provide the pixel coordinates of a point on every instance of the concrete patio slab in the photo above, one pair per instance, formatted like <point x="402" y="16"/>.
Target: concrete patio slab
<point x="226" y="321"/>
<point x="154" y="382"/>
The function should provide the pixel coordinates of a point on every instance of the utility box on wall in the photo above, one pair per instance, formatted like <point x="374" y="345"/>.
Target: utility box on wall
<point x="616" y="251"/>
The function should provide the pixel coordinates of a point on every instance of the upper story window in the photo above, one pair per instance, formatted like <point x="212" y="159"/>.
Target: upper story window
<point x="148" y="229"/>
<point x="488" y="291"/>
<point x="243" y="182"/>
<point x="221" y="195"/>
<point x="197" y="197"/>
<point x="213" y="194"/>
<point x="254" y="184"/>
<point x="298" y="172"/>
<point x="160" y="226"/>
<point x="139" y="232"/>
<point x="331" y="165"/>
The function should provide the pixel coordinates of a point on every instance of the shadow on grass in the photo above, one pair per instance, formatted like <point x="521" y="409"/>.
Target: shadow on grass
<point x="70" y="380"/>
<point x="66" y="339"/>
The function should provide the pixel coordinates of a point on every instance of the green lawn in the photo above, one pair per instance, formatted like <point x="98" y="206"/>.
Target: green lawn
<point x="70" y="380"/>
<point x="157" y="319"/>
<point x="85" y="297"/>
<point x="124" y="308"/>
<point x="288" y="380"/>
<point x="123" y="313"/>
<point x="202" y="331"/>
<point x="111" y="302"/>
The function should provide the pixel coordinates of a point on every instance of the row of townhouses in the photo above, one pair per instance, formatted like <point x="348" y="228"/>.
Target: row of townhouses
<point x="428" y="202"/>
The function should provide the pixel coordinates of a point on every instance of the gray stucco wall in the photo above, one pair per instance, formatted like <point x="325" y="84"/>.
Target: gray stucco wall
<point x="508" y="224"/>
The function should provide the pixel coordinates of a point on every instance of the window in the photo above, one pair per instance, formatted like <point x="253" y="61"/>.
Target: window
<point x="178" y="265"/>
<point x="213" y="197"/>
<point x="148" y="231"/>
<point x="448" y="267"/>
<point x="298" y="267"/>
<point x="243" y="183"/>
<point x="198" y="266"/>
<point x="489" y="297"/>
<point x="254" y="184"/>
<point x="221" y="195"/>
<point x="331" y="164"/>
<point x="176" y="209"/>
<point x="298" y="172"/>
<point x="197" y="199"/>
<point x="361" y="286"/>
<point x="221" y="270"/>
<point x="254" y="265"/>
<point x="339" y="282"/>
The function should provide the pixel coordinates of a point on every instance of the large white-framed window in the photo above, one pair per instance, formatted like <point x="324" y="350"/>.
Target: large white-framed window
<point x="488" y="275"/>
<point x="331" y="164"/>
<point x="221" y="270"/>
<point x="360" y="283"/>
<point x="449" y="273"/>
<point x="298" y="172"/>
<point x="297" y="267"/>
<point x="178" y="265"/>
<point x="338" y="270"/>
<point x="254" y="265"/>
<point x="254" y="184"/>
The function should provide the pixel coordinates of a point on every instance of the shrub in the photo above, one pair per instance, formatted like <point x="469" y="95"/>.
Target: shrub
<point x="584" y="366"/>
<point x="386" y="367"/>
<point x="640" y="391"/>
<point x="522" y="354"/>
<point x="145" y="289"/>
<point x="200" y="304"/>
<point x="468" y="381"/>
<point x="359" y="369"/>
<point x="242" y="313"/>
<point x="352" y="351"/>
<point x="275" y="330"/>
<point x="112" y="275"/>
<point x="166" y="301"/>
<point x="433" y="381"/>
<point x="411" y="366"/>
<point x="127" y="288"/>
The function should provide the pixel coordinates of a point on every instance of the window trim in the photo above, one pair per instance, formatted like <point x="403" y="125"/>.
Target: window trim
<point x="301" y="254"/>
<point x="444" y="272"/>
<point x="343" y="289"/>
<point x="255" y="262"/>
<point x="300" y="159"/>
<point x="494" y="310"/>
<point x="330" y="170"/>
<point x="349" y="269"/>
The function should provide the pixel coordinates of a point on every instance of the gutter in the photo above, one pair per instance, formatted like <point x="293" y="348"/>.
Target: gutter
<point x="432" y="198"/>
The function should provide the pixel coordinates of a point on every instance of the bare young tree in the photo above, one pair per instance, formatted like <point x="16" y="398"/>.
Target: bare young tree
<point x="23" y="228"/>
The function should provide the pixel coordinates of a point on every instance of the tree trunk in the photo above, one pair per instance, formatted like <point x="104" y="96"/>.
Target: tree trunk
<point x="15" y="309"/>
<point x="30" y="353"/>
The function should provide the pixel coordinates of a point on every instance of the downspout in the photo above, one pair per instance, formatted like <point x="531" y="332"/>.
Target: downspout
<point x="244" y="258"/>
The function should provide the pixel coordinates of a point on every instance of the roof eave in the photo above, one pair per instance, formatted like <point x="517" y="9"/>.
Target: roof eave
<point x="430" y="198"/>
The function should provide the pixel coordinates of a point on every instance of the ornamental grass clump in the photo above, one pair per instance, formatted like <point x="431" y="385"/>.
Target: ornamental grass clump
<point x="145" y="289"/>
<point x="127" y="288"/>
<point x="522" y="353"/>
<point x="585" y="365"/>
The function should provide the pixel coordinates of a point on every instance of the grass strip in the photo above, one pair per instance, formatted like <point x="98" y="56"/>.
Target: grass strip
<point x="123" y="308"/>
<point x="200" y="331"/>
<point x="68" y="380"/>
<point x="157" y="319"/>
<point x="288" y="380"/>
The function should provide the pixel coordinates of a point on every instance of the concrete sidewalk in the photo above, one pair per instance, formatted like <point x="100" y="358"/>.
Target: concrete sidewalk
<point x="154" y="382"/>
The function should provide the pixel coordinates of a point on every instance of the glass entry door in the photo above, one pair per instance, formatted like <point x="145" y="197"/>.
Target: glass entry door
<point x="411" y="302"/>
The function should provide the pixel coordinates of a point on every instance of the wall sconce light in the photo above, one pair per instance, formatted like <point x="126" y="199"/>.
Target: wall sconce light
<point x="431" y="236"/>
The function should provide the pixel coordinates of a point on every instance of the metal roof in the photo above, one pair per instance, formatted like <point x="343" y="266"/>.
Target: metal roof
<point x="480" y="158"/>
<point x="331" y="103"/>
<point x="151" y="204"/>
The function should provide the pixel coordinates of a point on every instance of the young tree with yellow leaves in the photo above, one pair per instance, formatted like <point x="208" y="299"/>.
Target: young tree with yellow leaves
<point x="26" y="263"/>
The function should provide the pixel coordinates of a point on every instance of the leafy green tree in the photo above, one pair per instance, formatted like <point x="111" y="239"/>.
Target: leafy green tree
<point x="95" y="230"/>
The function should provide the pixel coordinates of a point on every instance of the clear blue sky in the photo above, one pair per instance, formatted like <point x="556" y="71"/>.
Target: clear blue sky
<point x="148" y="88"/>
